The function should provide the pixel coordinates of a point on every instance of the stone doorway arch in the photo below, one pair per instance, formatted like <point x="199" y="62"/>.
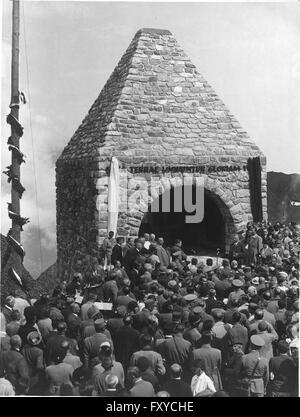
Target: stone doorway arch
<point x="216" y="230"/>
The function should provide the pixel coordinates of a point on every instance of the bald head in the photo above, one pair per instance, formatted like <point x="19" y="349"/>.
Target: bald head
<point x="175" y="370"/>
<point x="15" y="342"/>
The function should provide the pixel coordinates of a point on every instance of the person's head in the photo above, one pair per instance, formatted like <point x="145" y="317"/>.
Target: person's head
<point x="281" y="304"/>
<point x="160" y="394"/>
<point x="34" y="338"/>
<point x="160" y="241"/>
<point x="107" y="362"/>
<point x="15" y="315"/>
<point x="256" y="342"/>
<point x="120" y="240"/>
<point x="209" y="262"/>
<point x="10" y="301"/>
<point x="138" y="244"/>
<point x="65" y="345"/>
<point x="100" y="325"/>
<point x="252" y="291"/>
<point x="133" y="374"/>
<point x="179" y="329"/>
<point x="6" y="388"/>
<point x="259" y="314"/>
<point x="152" y="237"/>
<point x="207" y="325"/>
<point x="206" y="337"/>
<point x="66" y="390"/>
<point x="218" y="314"/>
<point x="237" y="347"/>
<point x="198" y="366"/>
<point x="263" y="326"/>
<point x="61" y="327"/>
<point x="111" y="234"/>
<point x="12" y="328"/>
<point x="178" y="242"/>
<point x="146" y="236"/>
<point x="236" y="317"/>
<point x="175" y="371"/>
<point x="111" y="381"/>
<point x="143" y="363"/>
<point x="146" y="340"/>
<point x="282" y="347"/>
<point x="30" y="314"/>
<point x="15" y="342"/>
<point x="75" y="308"/>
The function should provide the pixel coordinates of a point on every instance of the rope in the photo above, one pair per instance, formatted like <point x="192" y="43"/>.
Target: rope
<point x="32" y="140"/>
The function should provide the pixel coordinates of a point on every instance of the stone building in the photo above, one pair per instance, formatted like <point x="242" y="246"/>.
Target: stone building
<point x="162" y="120"/>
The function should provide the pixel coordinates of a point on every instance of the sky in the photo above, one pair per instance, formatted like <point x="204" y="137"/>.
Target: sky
<point x="248" y="52"/>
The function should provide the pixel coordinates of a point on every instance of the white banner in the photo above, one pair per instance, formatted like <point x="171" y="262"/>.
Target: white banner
<point x="113" y="196"/>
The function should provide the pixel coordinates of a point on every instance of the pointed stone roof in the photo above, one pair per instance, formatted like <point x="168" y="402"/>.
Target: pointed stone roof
<point x="156" y="104"/>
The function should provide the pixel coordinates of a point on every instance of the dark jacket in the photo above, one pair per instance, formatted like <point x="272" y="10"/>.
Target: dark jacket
<point x="127" y="342"/>
<point x="16" y="370"/>
<point x="117" y="254"/>
<point x="177" y="388"/>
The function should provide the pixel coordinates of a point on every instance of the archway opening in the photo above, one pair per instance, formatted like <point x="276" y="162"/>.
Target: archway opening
<point x="203" y="237"/>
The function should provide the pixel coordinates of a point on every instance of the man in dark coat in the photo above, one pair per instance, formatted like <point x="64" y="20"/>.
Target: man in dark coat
<point x="177" y="350"/>
<point x="175" y="386"/>
<point x="133" y="255"/>
<point x="282" y="370"/>
<point x="127" y="342"/>
<point x="15" y="366"/>
<point x="117" y="251"/>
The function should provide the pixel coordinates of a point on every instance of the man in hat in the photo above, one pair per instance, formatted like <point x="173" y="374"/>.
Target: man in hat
<point x="91" y="345"/>
<point x="237" y="291"/>
<point x="267" y="332"/>
<point x="34" y="357"/>
<point x="255" y="368"/>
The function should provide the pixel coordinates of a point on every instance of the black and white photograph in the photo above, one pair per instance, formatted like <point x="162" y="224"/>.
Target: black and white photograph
<point x="150" y="201"/>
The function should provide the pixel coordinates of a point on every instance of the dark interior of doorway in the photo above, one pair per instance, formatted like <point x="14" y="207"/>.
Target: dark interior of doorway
<point x="199" y="238"/>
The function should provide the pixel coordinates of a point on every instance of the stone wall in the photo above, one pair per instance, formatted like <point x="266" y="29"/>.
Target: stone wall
<point x="77" y="227"/>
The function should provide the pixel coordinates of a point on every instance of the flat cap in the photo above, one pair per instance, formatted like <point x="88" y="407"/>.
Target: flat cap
<point x="190" y="297"/>
<point x="237" y="283"/>
<point x="257" y="340"/>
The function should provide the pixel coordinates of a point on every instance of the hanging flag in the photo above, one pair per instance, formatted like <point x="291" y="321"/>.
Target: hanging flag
<point x="113" y="196"/>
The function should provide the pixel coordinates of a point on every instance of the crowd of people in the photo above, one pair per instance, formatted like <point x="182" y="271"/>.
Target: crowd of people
<point x="144" y="321"/>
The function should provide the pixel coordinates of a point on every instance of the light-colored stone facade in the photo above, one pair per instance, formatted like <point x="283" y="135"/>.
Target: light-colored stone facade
<point x="155" y="110"/>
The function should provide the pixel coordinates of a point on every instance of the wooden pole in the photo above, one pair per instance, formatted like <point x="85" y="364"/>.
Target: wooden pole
<point x="14" y="105"/>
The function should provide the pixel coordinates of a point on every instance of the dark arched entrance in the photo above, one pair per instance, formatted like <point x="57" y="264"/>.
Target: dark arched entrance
<point x="207" y="235"/>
